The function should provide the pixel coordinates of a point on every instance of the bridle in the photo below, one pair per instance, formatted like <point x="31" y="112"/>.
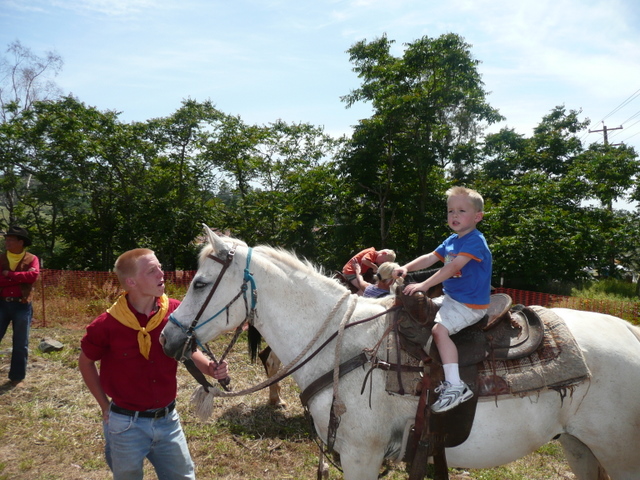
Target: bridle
<point x="192" y="339"/>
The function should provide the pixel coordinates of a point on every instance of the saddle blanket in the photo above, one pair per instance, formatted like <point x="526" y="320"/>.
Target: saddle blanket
<point x="557" y="364"/>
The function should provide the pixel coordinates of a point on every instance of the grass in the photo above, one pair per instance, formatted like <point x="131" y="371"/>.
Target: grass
<point x="50" y="428"/>
<point x="609" y="289"/>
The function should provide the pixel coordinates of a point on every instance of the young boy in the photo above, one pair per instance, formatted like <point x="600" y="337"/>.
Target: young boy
<point x="466" y="278"/>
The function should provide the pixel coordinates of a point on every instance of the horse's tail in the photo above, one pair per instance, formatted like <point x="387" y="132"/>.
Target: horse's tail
<point x="254" y="342"/>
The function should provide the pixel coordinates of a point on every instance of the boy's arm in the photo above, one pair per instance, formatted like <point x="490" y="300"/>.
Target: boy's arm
<point x="91" y="378"/>
<point x="370" y="264"/>
<point x="446" y="272"/>
<point x="424" y="261"/>
<point x="361" y="283"/>
<point x="219" y="371"/>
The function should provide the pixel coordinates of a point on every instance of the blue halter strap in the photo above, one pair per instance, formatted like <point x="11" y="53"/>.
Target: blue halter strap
<point x="250" y="312"/>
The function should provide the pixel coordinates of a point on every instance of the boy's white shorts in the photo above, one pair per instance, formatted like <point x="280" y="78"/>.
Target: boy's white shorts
<point x="455" y="316"/>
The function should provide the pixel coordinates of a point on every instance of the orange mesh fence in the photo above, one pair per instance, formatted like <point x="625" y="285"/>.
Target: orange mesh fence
<point x="85" y="293"/>
<point x="98" y="290"/>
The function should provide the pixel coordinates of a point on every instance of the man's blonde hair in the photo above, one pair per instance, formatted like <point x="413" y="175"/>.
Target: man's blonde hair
<point x="126" y="265"/>
<point x="475" y="197"/>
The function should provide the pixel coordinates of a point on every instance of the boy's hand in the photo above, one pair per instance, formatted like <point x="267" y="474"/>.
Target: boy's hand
<point x="219" y="371"/>
<point x="399" y="272"/>
<point x="413" y="288"/>
<point x="356" y="266"/>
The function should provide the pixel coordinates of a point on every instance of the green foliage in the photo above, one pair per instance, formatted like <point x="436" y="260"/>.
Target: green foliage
<point x="538" y="225"/>
<point x="610" y="289"/>
<point x="89" y="186"/>
<point x="428" y="107"/>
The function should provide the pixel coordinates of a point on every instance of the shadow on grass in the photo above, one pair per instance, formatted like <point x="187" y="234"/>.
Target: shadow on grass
<point x="265" y="421"/>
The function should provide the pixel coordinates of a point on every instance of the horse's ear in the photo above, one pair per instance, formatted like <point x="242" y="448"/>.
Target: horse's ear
<point x="215" y="241"/>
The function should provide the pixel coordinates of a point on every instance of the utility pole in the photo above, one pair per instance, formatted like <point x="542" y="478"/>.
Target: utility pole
<point x="612" y="259"/>
<point x="605" y="130"/>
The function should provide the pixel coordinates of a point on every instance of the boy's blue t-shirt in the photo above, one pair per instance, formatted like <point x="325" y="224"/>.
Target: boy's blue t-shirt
<point x="472" y="285"/>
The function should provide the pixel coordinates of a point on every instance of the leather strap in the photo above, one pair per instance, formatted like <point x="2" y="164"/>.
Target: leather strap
<point x="327" y="379"/>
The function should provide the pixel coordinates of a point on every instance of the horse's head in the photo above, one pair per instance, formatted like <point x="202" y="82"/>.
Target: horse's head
<point x="219" y="298"/>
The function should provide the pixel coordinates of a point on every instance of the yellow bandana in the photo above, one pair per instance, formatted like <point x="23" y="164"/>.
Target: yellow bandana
<point x="14" y="259"/>
<point x="121" y="312"/>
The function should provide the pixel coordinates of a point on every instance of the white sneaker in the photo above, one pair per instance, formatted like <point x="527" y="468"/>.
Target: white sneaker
<point x="450" y="396"/>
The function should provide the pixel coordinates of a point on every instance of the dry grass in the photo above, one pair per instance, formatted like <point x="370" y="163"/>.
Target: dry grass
<point x="50" y="428"/>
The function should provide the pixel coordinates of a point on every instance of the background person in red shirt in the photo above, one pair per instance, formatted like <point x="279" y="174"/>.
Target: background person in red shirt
<point x="19" y="270"/>
<point x="136" y="385"/>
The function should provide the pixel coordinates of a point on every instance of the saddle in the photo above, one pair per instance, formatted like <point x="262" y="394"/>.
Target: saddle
<point x="338" y="275"/>
<point x="504" y="333"/>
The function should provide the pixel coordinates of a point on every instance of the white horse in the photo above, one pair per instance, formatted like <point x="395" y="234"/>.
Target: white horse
<point x="598" y="425"/>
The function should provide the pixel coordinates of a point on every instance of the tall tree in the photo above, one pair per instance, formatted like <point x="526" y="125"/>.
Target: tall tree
<point x="427" y="104"/>
<point x="543" y="232"/>
<point x="24" y="79"/>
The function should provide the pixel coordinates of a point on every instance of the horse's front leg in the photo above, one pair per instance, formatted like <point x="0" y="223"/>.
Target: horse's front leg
<point x="361" y="465"/>
<point x="271" y="365"/>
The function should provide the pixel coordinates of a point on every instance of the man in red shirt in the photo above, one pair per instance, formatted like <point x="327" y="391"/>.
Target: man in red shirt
<point x="19" y="270"/>
<point x="136" y="385"/>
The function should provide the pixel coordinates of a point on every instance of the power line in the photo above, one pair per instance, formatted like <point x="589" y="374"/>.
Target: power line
<point x="632" y="117"/>
<point x="630" y="126"/>
<point x="637" y="133"/>
<point x="625" y="102"/>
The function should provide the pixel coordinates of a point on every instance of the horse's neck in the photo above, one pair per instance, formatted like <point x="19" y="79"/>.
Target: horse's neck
<point x="302" y="315"/>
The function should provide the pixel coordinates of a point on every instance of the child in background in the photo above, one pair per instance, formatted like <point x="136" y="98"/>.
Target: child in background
<point x="368" y="259"/>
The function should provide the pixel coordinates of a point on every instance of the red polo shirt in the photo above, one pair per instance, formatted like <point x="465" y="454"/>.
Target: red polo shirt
<point x="132" y="381"/>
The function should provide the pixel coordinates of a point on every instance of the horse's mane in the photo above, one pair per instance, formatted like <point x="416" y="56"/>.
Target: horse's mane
<point x="285" y="258"/>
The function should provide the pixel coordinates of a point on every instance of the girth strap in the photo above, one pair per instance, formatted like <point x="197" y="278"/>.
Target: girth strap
<point x="326" y="379"/>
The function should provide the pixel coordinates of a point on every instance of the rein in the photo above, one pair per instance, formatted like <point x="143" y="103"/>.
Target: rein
<point x="292" y="367"/>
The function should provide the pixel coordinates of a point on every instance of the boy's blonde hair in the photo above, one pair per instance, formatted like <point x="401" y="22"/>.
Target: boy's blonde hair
<point x="475" y="197"/>
<point x="391" y="255"/>
<point x="126" y="265"/>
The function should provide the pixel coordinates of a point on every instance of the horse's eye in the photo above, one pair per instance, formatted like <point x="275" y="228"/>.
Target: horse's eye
<point x="198" y="284"/>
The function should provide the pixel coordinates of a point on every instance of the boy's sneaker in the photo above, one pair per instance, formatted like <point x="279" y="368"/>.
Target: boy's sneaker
<point x="450" y="396"/>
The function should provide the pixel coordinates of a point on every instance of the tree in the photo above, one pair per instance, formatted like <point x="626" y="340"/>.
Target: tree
<point x="279" y="184"/>
<point x="610" y="172"/>
<point x="24" y="79"/>
<point x="540" y="227"/>
<point x="428" y="105"/>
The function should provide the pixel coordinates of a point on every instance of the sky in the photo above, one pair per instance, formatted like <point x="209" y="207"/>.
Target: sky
<point x="265" y="60"/>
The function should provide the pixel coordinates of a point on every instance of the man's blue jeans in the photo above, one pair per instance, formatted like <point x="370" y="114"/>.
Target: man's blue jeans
<point x="129" y="440"/>
<point x="19" y="315"/>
